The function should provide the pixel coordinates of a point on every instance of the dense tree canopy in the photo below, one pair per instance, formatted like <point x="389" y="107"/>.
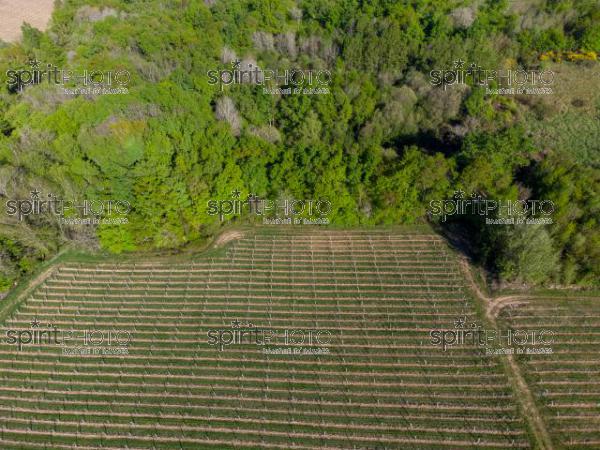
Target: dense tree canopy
<point x="379" y="146"/>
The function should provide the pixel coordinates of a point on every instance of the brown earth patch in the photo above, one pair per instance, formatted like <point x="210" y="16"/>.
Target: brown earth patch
<point x="228" y="236"/>
<point x="14" y="12"/>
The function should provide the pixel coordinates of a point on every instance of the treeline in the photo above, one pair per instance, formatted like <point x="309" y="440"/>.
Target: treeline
<point x="380" y="146"/>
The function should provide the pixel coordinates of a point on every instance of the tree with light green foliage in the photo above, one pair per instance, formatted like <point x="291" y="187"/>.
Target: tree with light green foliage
<point x="528" y="254"/>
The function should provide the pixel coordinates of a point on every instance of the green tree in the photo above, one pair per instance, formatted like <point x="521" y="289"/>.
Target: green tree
<point x="528" y="255"/>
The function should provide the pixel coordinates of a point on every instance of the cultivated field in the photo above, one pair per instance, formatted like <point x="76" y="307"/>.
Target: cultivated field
<point x="14" y="12"/>
<point x="566" y="384"/>
<point x="382" y="384"/>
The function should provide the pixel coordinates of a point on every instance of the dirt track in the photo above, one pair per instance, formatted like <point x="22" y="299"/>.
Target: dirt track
<point x="14" y="12"/>
<point x="530" y="410"/>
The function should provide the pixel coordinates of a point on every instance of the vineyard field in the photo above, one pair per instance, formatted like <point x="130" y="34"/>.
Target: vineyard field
<point x="565" y="383"/>
<point x="374" y="380"/>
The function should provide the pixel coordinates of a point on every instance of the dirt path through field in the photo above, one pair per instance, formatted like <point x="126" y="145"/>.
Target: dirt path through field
<point x="228" y="236"/>
<point x="493" y="306"/>
<point x="498" y="304"/>
<point x="532" y="415"/>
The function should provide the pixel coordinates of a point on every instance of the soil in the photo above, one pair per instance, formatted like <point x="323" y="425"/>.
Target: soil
<point x="14" y="12"/>
<point x="228" y="236"/>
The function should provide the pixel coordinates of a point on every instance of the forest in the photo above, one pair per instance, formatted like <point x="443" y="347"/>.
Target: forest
<point x="380" y="144"/>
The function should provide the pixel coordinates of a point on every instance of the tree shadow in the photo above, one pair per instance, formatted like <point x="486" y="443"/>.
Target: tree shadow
<point x="431" y="142"/>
